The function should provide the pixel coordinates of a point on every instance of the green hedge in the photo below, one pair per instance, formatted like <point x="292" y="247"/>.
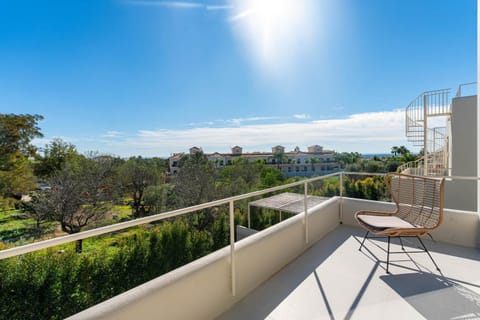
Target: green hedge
<point x="53" y="284"/>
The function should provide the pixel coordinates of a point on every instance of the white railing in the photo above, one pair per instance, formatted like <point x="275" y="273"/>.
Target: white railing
<point x="427" y="104"/>
<point x="17" y="251"/>
<point x="461" y="86"/>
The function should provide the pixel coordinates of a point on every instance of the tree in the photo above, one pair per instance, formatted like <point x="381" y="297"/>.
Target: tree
<point x="18" y="179"/>
<point x="402" y="150"/>
<point x="346" y="158"/>
<point x="394" y="151"/>
<point x="55" y="156"/>
<point x="37" y="208"/>
<point x="280" y="158"/>
<point x="79" y="194"/>
<point x="136" y="175"/>
<point x="195" y="181"/>
<point x="270" y="177"/>
<point x="156" y="198"/>
<point x="241" y="177"/>
<point x="16" y="133"/>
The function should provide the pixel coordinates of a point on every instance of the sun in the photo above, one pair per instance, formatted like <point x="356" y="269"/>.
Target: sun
<point x="274" y="31"/>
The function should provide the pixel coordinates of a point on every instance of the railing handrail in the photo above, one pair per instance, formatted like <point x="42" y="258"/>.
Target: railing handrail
<point x="12" y="252"/>
<point x="16" y="251"/>
<point x="460" y="86"/>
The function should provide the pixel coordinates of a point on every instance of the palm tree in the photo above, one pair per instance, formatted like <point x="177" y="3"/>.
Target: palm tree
<point x="280" y="158"/>
<point x="395" y="150"/>
<point x="403" y="150"/>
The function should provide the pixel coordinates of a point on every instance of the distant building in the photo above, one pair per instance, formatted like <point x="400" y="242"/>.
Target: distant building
<point x="315" y="161"/>
<point x="194" y="150"/>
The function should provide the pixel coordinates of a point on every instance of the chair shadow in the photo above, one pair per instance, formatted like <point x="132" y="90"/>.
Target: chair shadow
<point x="435" y="297"/>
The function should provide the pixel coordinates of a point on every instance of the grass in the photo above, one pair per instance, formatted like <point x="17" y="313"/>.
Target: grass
<point x="17" y="228"/>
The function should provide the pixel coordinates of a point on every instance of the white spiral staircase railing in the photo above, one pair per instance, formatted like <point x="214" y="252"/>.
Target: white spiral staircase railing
<point x="433" y="141"/>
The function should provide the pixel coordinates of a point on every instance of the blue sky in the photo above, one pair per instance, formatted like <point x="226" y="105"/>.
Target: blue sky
<point x="154" y="77"/>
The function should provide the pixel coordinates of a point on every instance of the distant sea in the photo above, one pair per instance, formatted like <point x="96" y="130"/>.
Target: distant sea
<point x="379" y="155"/>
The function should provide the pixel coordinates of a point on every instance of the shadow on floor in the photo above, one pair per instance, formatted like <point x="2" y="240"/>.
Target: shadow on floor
<point x="435" y="297"/>
<point x="281" y="285"/>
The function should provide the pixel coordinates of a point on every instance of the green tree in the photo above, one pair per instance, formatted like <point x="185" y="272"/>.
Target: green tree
<point x="241" y="177"/>
<point x="156" y="198"/>
<point x="394" y="151"/>
<point x="135" y="176"/>
<point x="79" y="194"/>
<point x="346" y="158"/>
<point x="55" y="155"/>
<point x="270" y="177"/>
<point x="402" y="150"/>
<point x="16" y="134"/>
<point x="195" y="181"/>
<point x="280" y="158"/>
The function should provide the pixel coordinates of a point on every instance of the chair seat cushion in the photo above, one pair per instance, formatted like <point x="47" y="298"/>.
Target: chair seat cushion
<point x="384" y="222"/>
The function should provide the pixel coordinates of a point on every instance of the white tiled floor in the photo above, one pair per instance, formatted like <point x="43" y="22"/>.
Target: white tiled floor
<point x="333" y="280"/>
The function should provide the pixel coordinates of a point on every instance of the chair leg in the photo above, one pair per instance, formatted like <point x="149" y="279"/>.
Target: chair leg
<point x="388" y="253"/>
<point x="364" y="238"/>
<point x="401" y="242"/>
<point x="425" y="248"/>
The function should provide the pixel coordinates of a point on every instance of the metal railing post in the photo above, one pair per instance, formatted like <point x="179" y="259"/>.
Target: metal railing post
<point x="305" y="209"/>
<point x="425" y="135"/>
<point x="248" y="216"/>
<point x="232" y="246"/>
<point x="341" y="198"/>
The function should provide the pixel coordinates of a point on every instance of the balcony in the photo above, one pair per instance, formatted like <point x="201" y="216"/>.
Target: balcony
<point x="307" y="267"/>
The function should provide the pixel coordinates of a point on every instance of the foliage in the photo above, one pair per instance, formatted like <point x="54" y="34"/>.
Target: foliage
<point x="135" y="176"/>
<point x="240" y="177"/>
<point x="53" y="284"/>
<point x="346" y="158"/>
<point x="55" y="156"/>
<point x="156" y="198"/>
<point x="17" y="177"/>
<point x="16" y="133"/>
<point x="78" y="194"/>
<point x="195" y="182"/>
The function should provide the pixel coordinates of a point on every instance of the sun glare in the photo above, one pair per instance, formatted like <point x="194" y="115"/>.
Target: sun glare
<point x="275" y="32"/>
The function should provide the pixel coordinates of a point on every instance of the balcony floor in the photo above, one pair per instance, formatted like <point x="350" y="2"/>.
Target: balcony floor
<point x="333" y="280"/>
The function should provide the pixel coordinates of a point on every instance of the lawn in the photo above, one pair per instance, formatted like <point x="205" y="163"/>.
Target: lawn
<point x="17" y="228"/>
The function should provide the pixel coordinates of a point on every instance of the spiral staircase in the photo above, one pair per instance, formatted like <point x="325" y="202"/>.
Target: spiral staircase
<point x="423" y="116"/>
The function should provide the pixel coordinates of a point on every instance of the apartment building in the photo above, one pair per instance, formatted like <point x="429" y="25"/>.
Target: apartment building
<point x="315" y="161"/>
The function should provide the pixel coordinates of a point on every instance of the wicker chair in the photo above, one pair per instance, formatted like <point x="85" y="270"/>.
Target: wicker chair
<point x="419" y="209"/>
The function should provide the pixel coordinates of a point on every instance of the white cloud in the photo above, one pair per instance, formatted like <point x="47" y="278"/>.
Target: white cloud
<point x="169" y="4"/>
<point x="218" y="7"/>
<point x="239" y="121"/>
<point x="179" y="5"/>
<point x="301" y="116"/>
<point x="365" y="133"/>
<point x="112" y="134"/>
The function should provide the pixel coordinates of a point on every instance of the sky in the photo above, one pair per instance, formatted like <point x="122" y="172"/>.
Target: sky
<point x="153" y="77"/>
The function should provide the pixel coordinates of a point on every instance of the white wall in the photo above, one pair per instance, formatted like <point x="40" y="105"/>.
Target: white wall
<point x="462" y="195"/>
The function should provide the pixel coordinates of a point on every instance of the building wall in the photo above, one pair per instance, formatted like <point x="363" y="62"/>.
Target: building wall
<point x="462" y="195"/>
<point x="305" y="164"/>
